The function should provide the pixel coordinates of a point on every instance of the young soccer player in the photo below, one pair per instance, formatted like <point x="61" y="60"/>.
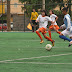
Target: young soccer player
<point x="43" y="22"/>
<point x="67" y="22"/>
<point x="54" y="25"/>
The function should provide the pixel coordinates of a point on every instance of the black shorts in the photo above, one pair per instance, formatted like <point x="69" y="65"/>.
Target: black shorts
<point x="33" y="21"/>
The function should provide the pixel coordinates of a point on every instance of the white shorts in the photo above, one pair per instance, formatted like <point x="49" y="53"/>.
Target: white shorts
<point x="66" y="33"/>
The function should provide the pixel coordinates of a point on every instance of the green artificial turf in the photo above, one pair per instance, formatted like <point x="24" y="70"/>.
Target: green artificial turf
<point x="14" y="46"/>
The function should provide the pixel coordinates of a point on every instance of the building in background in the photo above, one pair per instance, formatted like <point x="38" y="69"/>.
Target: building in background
<point x="2" y="7"/>
<point x="17" y="7"/>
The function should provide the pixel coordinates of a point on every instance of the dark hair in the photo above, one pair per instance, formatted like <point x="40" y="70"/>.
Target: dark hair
<point x="65" y="9"/>
<point x="44" y="12"/>
<point x="33" y="8"/>
<point x="52" y="11"/>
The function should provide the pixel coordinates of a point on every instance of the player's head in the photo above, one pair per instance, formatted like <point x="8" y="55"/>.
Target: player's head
<point x="33" y="10"/>
<point x="43" y="12"/>
<point x="51" y="12"/>
<point x="65" y="10"/>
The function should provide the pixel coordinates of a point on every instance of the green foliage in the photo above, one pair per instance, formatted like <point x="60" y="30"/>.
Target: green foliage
<point x="33" y="4"/>
<point x="4" y="17"/>
<point x="38" y="5"/>
<point x="57" y="12"/>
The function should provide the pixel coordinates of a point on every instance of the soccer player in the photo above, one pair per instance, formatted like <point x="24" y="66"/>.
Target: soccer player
<point x="67" y="22"/>
<point x="63" y="27"/>
<point x="43" y="22"/>
<point x="34" y="16"/>
<point x="54" y="25"/>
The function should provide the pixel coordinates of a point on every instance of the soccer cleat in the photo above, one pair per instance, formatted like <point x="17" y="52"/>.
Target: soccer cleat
<point x="33" y="31"/>
<point x="41" y="42"/>
<point x="53" y="42"/>
<point x="64" y="39"/>
<point x="70" y="44"/>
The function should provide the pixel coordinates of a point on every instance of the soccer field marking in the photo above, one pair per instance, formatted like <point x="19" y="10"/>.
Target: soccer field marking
<point x="45" y="40"/>
<point x="36" y="57"/>
<point x="43" y="47"/>
<point x="40" y="63"/>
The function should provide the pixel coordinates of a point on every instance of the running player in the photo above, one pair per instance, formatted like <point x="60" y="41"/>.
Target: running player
<point x="63" y="27"/>
<point x="67" y="22"/>
<point x="54" y="25"/>
<point x="43" y="22"/>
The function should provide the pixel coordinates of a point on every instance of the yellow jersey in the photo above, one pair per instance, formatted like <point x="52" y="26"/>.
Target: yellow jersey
<point x="34" y="15"/>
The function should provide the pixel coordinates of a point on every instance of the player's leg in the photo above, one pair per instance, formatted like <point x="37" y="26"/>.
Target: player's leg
<point x="63" y="36"/>
<point x="70" y="35"/>
<point x="49" y="30"/>
<point x="36" y="25"/>
<point x="46" y="37"/>
<point x="37" y="32"/>
<point x="56" y="28"/>
<point x="33" y="24"/>
<point x="70" y="43"/>
<point x="32" y="28"/>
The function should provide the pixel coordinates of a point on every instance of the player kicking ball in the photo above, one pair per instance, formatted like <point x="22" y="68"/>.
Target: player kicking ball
<point x="67" y="22"/>
<point x="43" y="22"/>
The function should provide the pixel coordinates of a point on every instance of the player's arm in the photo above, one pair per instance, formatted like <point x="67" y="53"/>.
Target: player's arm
<point x="56" y="18"/>
<point x="37" y="14"/>
<point x="37" y="20"/>
<point x="50" y="20"/>
<point x="31" y="17"/>
<point x="68" y="22"/>
<point x="63" y="26"/>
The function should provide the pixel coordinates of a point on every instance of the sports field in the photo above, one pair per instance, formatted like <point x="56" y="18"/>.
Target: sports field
<point x="22" y="52"/>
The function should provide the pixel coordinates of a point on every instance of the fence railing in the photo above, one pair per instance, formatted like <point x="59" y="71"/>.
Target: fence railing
<point x="21" y="13"/>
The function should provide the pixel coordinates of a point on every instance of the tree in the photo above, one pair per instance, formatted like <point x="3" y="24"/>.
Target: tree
<point x="49" y="4"/>
<point x="69" y="7"/>
<point x="8" y="16"/>
<point x="30" y="4"/>
<point x="43" y="6"/>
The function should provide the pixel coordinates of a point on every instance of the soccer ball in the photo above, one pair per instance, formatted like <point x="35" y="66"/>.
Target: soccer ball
<point x="48" y="47"/>
<point x="71" y="29"/>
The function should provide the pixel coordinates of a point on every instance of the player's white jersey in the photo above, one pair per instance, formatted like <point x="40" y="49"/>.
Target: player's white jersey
<point x="43" y="21"/>
<point x="67" y="21"/>
<point x="53" y="16"/>
<point x="68" y="24"/>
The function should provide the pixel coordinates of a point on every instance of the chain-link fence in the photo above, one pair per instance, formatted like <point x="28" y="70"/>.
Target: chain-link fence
<point x="21" y="13"/>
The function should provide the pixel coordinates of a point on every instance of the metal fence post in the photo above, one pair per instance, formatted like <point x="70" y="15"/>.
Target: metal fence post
<point x="24" y="18"/>
<point x="2" y="15"/>
<point x="70" y="7"/>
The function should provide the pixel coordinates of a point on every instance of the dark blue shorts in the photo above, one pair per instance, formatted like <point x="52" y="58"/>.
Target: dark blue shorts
<point x="33" y="21"/>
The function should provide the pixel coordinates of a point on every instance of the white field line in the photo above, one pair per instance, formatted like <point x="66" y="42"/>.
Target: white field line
<point x="42" y="63"/>
<point x="45" y="40"/>
<point x="44" y="47"/>
<point x="36" y="57"/>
